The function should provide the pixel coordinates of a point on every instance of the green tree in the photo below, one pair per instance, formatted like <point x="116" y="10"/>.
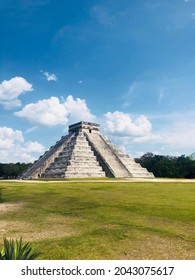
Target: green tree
<point x="168" y="166"/>
<point x="13" y="170"/>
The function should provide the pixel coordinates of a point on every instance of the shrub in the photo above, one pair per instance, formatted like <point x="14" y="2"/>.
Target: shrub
<point x="15" y="250"/>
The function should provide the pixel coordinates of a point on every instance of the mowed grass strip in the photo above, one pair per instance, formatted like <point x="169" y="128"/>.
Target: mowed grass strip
<point x="101" y="220"/>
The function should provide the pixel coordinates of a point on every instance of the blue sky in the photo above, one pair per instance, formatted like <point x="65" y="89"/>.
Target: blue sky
<point x="128" y="65"/>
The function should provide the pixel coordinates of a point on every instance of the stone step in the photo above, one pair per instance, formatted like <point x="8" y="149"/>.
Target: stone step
<point x="87" y="157"/>
<point x="80" y="149"/>
<point x="82" y="152"/>
<point x="56" y="167"/>
<point x="83" y="168"/>
<point x="143" y="175"/>
<point x="52" y="174"/>
<point x="84" y="175"/>
<point x="61" y="159"/>
<point x="60" y="175"/>
<point x="83" y="163"/>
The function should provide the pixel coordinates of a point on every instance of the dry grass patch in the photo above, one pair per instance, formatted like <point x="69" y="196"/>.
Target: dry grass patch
<point x="15" y="229"/>
<point x="161" y="247"/>
<point x="12" y="229"/>
<point x="53" y="227"/>
<point x="10" y="206"/>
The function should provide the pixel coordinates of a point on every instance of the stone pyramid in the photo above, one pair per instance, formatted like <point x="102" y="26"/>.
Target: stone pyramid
<point x="84" y="152"/>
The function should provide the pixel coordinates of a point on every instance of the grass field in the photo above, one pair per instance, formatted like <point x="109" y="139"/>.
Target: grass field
<point x="101" y="220"/>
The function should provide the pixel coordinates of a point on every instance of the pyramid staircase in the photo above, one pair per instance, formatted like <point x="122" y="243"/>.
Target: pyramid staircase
<point x="76" y="160"/>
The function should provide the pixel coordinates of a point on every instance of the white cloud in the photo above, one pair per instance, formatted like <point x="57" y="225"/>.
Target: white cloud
<point x="78" y="110"/>
<point x="121" y="124"/>
<point x="11" y="89"/>
<point x="34" y="147"/>
<point x="8" y="137"/>
<point x="51" y="112"/>
<point x="49" y="77"/>
<point x="47" y="112"/>
<point x="13" y="147"/>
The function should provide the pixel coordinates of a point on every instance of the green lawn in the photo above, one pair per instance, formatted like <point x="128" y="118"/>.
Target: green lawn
<point x="101" y="220"/>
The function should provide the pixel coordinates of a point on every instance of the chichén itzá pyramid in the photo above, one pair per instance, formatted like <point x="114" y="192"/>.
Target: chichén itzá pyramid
<point x="84" y="152"/>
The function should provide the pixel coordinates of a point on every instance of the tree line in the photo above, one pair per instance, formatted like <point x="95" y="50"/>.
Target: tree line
<point x="160" y="165"/>
<point x="13" y="170"/>
<point x="168" y="166"/>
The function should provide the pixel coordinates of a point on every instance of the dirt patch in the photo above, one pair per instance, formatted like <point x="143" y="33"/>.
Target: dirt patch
<point x="10" y="206"/>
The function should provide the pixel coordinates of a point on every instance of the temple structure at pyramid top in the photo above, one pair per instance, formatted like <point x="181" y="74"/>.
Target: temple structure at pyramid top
<point x="84" y="152"/>
<point x="84" y="126"/>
